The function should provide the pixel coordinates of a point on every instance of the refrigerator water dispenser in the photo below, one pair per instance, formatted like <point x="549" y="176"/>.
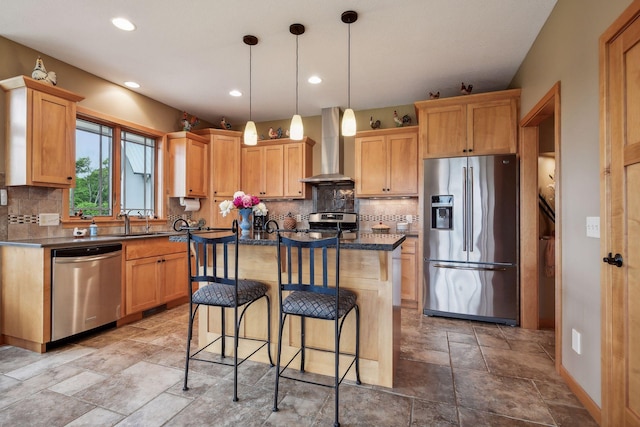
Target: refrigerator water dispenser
<point x="442" y="212"/>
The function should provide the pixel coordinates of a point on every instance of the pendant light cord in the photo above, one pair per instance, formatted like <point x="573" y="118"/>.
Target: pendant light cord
<point x="349" y="70"/>
<point x="297" y="74"/>
<point x="250" y="82"/>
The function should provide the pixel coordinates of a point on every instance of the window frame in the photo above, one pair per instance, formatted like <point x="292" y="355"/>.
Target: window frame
<point x="118" y="126"/>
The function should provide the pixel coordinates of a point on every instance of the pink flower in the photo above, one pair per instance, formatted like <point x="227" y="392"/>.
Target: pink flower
<point x="240" y="201"/>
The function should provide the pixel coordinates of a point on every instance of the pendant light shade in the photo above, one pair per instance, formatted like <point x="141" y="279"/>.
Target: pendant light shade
<point x="250" y="132"/>
<point x="349" y="118"/>
<point x="296" y="130"/>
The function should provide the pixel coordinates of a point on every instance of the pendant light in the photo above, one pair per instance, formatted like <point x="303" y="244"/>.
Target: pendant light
<point x="296" y="130"/>
<point x="250" y="132"/>
<point x="349" y="118"/>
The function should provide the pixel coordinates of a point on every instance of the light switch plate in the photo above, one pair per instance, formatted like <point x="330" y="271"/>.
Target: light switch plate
<point x="576" y="344"/>
<point x="48" y="219"/>
<point x="593" y="226"/>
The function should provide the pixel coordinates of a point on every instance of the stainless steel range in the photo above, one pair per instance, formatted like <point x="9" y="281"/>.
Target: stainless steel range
<point x="323" y="223"/>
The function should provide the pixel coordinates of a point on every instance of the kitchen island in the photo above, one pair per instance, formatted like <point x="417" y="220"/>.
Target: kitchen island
<point x="370" y="266"/>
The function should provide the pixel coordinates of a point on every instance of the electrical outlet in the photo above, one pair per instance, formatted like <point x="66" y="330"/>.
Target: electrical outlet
<point x="576" y="338"/>
<point x="593" y="227"/>
<point x="3" y="196"/>
<point x="409" y="219"/>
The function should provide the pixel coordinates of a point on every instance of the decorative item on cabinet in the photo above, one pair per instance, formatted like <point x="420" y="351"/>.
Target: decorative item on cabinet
<point x="374" y="125"/>
<point x="224" y="124"/>
<point x="396" y="119"/>
<point x="465" y="90"/>
<point x="40" y="141"/>
<point x="188" y="122"/>
<point x="40" y="73"/>
<point x="434" y="95"/>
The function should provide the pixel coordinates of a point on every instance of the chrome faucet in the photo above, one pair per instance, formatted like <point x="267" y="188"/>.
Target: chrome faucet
<point x="127" y="223"/>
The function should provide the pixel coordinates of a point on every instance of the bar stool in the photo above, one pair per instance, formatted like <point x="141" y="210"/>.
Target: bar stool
<point x="308" y="299"/>
<point x="215" y="269"/>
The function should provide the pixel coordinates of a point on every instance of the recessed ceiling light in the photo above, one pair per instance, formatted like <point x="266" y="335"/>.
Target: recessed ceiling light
<point x="314" y="80"/>
<point x="235" y="92"/>
<point x="132" y="85"/>
<point x="124" y="24"/>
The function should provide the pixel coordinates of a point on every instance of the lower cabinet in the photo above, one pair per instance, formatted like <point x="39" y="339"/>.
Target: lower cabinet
<point x="156" y="272"/>
<point x="409" y="288"/>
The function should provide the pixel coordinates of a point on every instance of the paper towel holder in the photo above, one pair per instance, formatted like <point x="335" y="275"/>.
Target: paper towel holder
<point x="183" y="200"/>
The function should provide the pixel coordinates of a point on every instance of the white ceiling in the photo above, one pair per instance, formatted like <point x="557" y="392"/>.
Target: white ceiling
<point x="189" y="53"/>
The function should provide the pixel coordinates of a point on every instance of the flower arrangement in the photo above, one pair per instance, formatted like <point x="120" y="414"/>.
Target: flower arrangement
<point x="243" y="201"/>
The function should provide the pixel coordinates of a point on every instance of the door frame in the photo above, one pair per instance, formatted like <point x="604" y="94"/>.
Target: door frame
<point x="612" y="346"/>
<point x="548" y="106"/>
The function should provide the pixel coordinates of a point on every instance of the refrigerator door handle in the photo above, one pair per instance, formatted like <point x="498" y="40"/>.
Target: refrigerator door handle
<point x="464" y="209"/>
<point x="471" y="209"/>
<point x="458" y="267"/>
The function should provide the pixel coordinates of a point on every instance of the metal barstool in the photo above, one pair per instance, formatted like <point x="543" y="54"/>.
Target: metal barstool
<point x="215" y="269"/>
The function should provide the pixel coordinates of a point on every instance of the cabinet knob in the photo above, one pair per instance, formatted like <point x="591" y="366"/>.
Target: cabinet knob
<point x="69" y="178"/>
<point x="470" y="149"/>
<point x="464" y="151"/>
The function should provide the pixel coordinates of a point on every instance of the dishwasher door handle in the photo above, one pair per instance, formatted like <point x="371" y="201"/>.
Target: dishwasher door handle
<point x="76" y="259"/>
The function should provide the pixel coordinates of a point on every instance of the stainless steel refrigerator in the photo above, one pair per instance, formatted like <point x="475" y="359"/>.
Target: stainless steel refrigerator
<point x="471" y="238"/>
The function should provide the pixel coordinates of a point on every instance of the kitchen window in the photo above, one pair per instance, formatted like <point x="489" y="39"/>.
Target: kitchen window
<point x="116" y="169"/>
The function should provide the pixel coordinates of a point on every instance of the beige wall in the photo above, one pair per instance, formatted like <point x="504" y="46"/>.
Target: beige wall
<point x="100" y="95"/>
<point x="566" y="50"/>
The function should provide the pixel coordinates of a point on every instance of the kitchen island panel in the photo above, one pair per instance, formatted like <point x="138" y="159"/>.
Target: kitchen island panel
<point x="373" y="275"/>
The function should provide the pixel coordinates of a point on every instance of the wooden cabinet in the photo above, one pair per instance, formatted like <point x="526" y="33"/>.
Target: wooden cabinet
<point x="188" y="165"/>
<point x="224" y="176"/>
<point x="387" y="162"/>
<point x="262" y="171"/>
<point x="40" y="134"/>
<point x="481" y="124"/>
<point x="409" y="288"/>
<point x="272" y="169"/>
<point x="297" y="164"/>
<point x="156" y="272"/>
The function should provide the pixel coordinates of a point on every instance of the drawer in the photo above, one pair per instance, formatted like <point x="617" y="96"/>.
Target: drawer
<point x="153" y="247"/>
<point x="409" y="246"/>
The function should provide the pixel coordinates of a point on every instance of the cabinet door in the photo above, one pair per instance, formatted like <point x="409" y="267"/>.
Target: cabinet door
<point x="492" y="127"/>
<point x="174" y="271"/>
<point x="142" y="286"/>
<point x="252" y="170"/>
<point x="409" y="290"/>
<point x="220" y="221"/>
<point x="294" y="158"/>
<point x="197" y="175"/>
<point x="53" y="141"/>
<point x="273" y="168"/>
<point x="226" y="165"/>
<point x="371" y="166"/>
<point x="443" y="131"/>
<point x="403" y="164"/>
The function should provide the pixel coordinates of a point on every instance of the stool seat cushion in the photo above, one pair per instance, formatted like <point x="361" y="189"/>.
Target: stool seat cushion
<point x="317" y="305"/>
<point x="219" y="294"/>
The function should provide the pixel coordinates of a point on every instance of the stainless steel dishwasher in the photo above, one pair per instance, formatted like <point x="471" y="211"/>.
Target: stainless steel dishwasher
<point x="85" y="288"/>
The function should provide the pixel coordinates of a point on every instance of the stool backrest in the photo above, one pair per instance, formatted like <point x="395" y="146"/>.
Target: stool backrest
<point x="298" y="263"/>
<point x="214" y="259"/>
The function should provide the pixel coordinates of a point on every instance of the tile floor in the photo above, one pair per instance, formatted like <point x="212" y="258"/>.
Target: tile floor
<point x="451" y="373"/>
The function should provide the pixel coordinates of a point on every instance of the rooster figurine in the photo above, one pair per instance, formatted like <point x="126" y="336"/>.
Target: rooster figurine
<point x="374" y="125"/>
<point x="465" y="90"/>
<point x="224" y="124"/>
<point x="434" y="95"/>
<point x="40" y="73"/>
<point x="396" y="119"/>
<point x="272" y="133"/>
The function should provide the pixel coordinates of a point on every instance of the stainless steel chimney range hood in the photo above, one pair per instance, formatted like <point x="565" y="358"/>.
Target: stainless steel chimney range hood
<point x="332" y="164"/>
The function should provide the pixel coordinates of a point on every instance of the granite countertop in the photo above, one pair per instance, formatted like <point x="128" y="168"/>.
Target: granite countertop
<point x="69" y="242"/>
<point x="360" y="240"/>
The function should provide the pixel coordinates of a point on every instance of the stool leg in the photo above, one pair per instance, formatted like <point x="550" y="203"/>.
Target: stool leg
<point x="336" y="378"/>
<point x="358" y="345"/>
<point x="235" y="353"/>
<point x="278" y="355"/>
<point x="302" y="343"/>
<point x="192" y="315"/>
<point x="269" y="329"/>
<point x="223" y="332"/>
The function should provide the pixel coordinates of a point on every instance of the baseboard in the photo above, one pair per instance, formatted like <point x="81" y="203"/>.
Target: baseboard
<point x="582" y="395"/>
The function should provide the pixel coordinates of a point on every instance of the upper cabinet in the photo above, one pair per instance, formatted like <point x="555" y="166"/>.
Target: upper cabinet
<point x="273" y="169"/>
<point x="480" y="124"/>
<point x="41" y="133"/>
<point x="224" y="150"/>
<point x="387" y="162"/>
<point x="188" y="165"/>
